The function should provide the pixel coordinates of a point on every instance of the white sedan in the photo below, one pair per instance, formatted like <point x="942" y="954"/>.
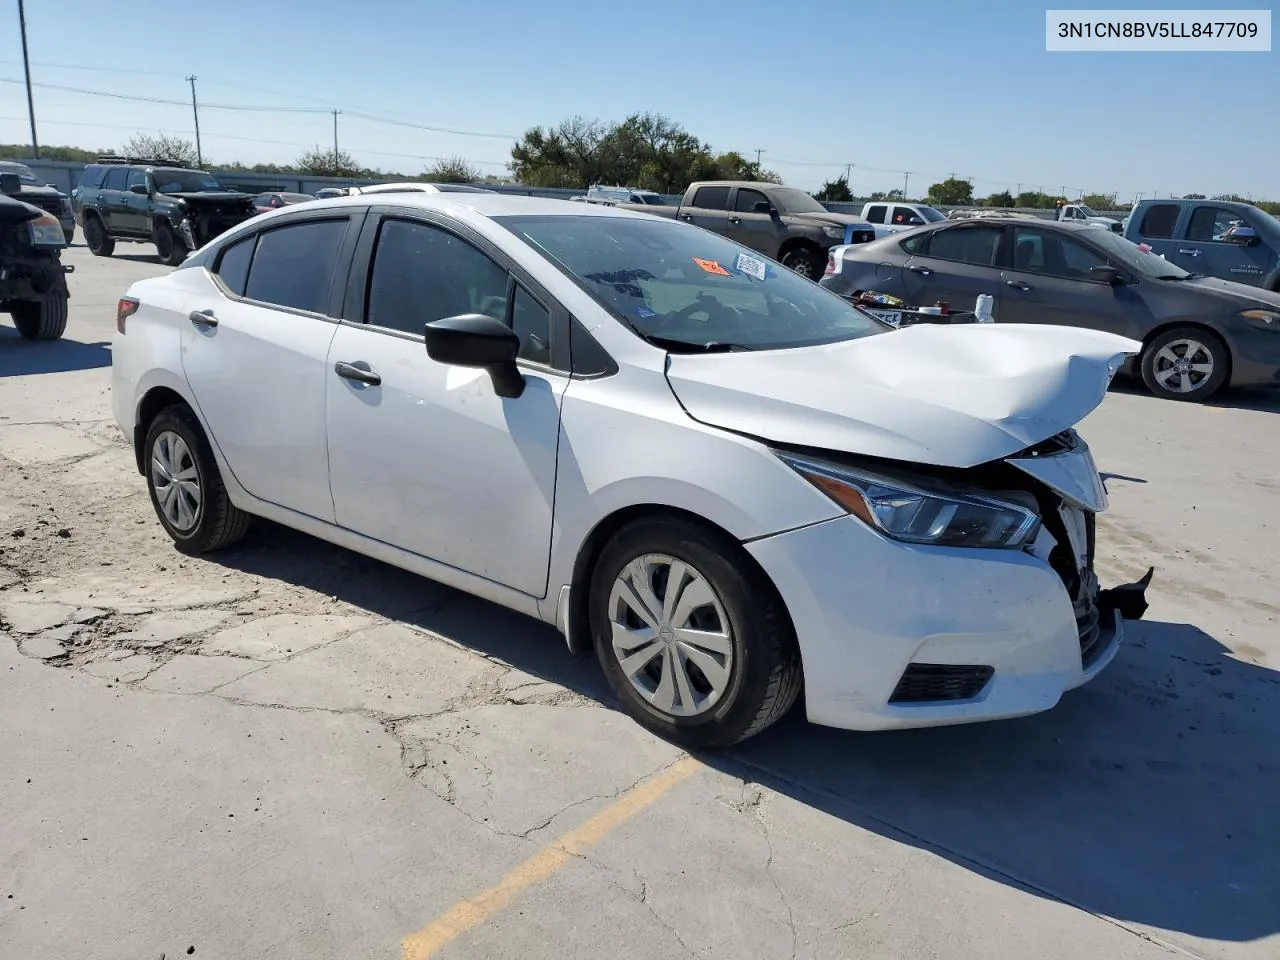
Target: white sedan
<point x="724" y="479"/>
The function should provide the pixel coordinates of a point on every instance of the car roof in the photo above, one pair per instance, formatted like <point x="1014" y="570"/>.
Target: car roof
<point x="484" y="204"/>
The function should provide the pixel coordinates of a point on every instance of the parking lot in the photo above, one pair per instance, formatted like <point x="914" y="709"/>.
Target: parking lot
<point x="290" y="751"/>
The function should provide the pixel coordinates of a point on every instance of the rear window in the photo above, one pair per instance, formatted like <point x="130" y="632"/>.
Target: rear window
<point x="233" y="265"/>
<point x="115" y="178"/>
<point x="711" y="198"/>
<point x="876" y="214"/>
<point x="294" y="265"/>
<point x="92" y="177"/>
<point x="1159" y="221"/>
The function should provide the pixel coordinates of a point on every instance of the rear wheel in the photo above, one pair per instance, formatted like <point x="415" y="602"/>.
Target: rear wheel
<point x="1185" y="363"/>
<point x="805" y="262"/>
<point x="40" y="319"/>
<point x="95" y="237"/>
<point x="691" y="637"/>
<point x="172" y="251"/>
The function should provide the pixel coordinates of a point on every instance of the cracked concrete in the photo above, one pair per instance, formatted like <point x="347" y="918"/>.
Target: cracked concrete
<point x="289" y="751"/>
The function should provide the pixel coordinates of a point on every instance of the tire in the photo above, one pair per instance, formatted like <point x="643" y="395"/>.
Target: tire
<point x="176" y="445"/>
<point x="1208" y="355"/>
<point x="40" y="319"/>
<point x="748" y="679"/>
<point x="96" y="238"/>
<point x="172" y="251"/>
<point x="805" y="262"/>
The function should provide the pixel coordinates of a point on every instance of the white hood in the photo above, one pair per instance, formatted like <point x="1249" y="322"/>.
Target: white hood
<point x="952" y="396"/>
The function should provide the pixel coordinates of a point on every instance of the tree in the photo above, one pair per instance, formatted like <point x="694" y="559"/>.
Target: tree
<point x="1002" y="199"/>
<point x="329" y="163"/>
<point x="22" y="151"/>
<point x="1034" y="199"/>
<point x="952" y="190"/>
<point x="1193" y="196"/>
<point x="1099" y="201"/>
<point x="175" y="150"/>
<point x="453" y="170"/>
<point x="836" y="190"/>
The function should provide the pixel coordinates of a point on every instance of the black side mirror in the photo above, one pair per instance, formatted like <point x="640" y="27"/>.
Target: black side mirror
<point x="10" y="183"/>
<point x="475" y="340"/>
<point x="762" y="206"/>
<point x="1106" y="275"/>
<point x="140" y="188"/>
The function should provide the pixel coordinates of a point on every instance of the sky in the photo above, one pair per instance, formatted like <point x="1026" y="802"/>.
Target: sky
<point x="934" y="87"/>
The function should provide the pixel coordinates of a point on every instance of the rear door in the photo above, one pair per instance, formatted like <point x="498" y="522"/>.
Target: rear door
<point x="1049" y="282"/>
<point x="956" y="265"/>
<point x="111" y="200"/>
<point x="877" y="213"/>
<point x="1205" y="247"/>
<point x="134" y="212"/>
<point x="759" y="231"/>
<point x="254" y="350"/>
<point x="1158" y="226"/>
<point x="709" y="209"/>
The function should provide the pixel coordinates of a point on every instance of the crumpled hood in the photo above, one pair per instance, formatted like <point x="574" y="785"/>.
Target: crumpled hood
<point x="225" y="197"/>
<point x="948" y="395"/>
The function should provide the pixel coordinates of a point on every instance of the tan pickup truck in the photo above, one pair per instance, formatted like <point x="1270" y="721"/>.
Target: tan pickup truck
<point x="781" y="222"/>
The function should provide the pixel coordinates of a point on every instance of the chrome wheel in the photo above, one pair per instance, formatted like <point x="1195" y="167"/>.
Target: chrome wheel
<point x="671" y="635"/>
<point x="176" y="481"/>
<point x="1181" y="366"/>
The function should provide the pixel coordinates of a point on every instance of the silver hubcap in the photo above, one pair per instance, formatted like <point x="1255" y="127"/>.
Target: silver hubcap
<point x="176" y="481"/>
<point x="671" y="635"/>
<point x="1183" y="365"/>
<point x="801" y="267"/>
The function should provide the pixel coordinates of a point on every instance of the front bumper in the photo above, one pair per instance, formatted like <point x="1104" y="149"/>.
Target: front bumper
<point x="866" y="608"/>
<point x="1255" y="357"/>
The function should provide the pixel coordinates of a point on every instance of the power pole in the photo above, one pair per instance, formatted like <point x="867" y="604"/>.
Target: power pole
<point x="26" y="67"/>
<point x="195" y="112"/>
<point x="335" y="138"/>
<point x="758" y="152"/>
<point x="906" y="180"/>
<point x="1018" y="193"/>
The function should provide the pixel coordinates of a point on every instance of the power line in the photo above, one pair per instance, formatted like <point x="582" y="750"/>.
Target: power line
<point x="140" y="98"/>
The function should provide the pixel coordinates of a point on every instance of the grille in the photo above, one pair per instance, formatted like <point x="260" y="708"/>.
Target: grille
<point x="933" y="682"/>
<point x="48" y="204"/>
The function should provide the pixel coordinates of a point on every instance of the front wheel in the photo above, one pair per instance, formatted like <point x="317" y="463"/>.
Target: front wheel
<point x="185" y="486"/>
<point x="804" y="262"/>
<point x="691" y="636"/>
<point x="96" y="238"/>
<point x="1185" y="363"/>
<point x="172" y="251"/>
<point x="44" y="319"/>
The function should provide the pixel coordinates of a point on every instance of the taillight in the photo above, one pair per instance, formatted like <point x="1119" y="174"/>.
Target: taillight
<point x="125" y="309"/>
<point x="831" y="265"/>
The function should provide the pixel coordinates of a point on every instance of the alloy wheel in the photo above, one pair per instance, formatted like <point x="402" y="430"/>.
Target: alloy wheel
<point x="1181" y="366"/>
<point x="176" y="481"/>
<point x="671" y="635"/>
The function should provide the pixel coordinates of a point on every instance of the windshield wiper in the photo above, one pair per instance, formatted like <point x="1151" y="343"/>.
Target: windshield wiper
<point x="1185" y="276"/>
<point x="687" y="346"/>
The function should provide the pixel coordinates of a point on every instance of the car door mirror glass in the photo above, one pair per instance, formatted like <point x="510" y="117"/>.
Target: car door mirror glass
<point x="139" y="188"/>
<point x="478" y="341"/>
<point x="762" y="206"/>
<point x="1105" y="275"/>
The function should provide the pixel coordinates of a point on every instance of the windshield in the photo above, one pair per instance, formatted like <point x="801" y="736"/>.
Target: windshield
<point x="25" y="173"/>
<point x="791" y="200"/>
<point x="931" y="215"/>
<point x="184" y="181"/>
<point x="1131" y="255"/>
<point x="1086" y="211"/>
<point x="684" y="287"/>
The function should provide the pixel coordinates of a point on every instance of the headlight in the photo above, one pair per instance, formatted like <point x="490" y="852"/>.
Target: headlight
<point x="46" y="231"/>
<point x="915" y="515"/>
<point x="835" y="233"/>
<point x="1267" y="319"/>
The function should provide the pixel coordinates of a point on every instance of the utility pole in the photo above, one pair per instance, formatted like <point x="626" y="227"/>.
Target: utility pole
<point x="906" y="179"/>
<point x="335" y="138"/>
<point x="1017" y="193"/>
<point x="26" y="67"/>
<point x="758" y="152"/>
<point x="195" y="112"/>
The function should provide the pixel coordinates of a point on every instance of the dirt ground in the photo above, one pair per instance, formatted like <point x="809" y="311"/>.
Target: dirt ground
<point x="290" y="751"/>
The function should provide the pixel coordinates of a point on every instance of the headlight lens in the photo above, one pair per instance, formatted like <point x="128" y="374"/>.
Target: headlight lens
<point x="835" y="233"/>
<point x="46" y="231"/>
<point x="915" y="515"/>
<point x="1268" y="319"/>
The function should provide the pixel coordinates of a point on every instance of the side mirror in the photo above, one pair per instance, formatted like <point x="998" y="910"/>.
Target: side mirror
<point x="762" y="206"/>
<point x="475" y="340"/>
<point x="1105" y="275"/>
<point x="140" y="188"/>
<point x="10" y="183"/>
<point x="1244" y="236"/>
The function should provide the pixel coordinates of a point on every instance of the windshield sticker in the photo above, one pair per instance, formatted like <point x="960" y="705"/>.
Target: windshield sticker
<point x="751" y="266"/>
<point x="712" y="267"/>
<point x="644" y="313"/>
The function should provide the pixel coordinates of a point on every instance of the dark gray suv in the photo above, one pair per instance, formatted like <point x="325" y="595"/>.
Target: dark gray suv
<point x="1198" y="333"/>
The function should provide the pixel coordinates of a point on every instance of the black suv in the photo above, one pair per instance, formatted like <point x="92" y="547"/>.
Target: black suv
<point x="45" y="196"/>
<point x="146" y="201"/>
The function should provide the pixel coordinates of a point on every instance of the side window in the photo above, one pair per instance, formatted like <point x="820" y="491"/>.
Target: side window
<point x="1159" y="220"/>
<point x="92" y="177"/>
<point x="875" y="214"/>
<point x="136" y="176"/>
<point x="711" y="198"/>
<point x="906" y="217"/>
<point x="1054" y="255"/>
<point x="1210" y="223"/>
<point x="294" y="265"/>
<point x="423" y="273"/>
<point x="233" y="265"/>
<point x="532" y="324"/>
<point x="977" y="245"/>
<point x="115" y="179"/>
<point x="747" y="200"/>
<point x="918" y="245"/>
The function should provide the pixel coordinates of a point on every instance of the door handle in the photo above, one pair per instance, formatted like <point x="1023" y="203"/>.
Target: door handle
<point x="1189" y="253"/>
<point x="923" y="271"/>
<point x="359" y="371"/>
<point x="686" y="216"/>
<point x="203" y="318"/>
<point x="1017" y="285"/>
<point x="735" y="219"/>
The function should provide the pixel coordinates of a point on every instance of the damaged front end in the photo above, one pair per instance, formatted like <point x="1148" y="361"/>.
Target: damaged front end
<point x="205" y="217"/>
<point x="31" y="244"/>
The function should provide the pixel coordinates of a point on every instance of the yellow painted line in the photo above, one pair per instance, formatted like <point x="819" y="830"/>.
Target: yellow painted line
<point x="473" y="912"/>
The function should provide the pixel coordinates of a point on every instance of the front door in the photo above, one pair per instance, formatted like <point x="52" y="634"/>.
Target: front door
<point x="959" y="263"/>
<point x="259" y="370"/>
<point x="427" y="457"/>
<point x="752" y="228"/>
<point x="1208" y="249"/>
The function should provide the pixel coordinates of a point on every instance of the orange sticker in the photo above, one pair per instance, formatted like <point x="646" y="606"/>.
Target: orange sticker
<point x="712" y="267"/>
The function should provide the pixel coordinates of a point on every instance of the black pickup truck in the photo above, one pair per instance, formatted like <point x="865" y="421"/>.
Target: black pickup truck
<point x="145" y="201"/>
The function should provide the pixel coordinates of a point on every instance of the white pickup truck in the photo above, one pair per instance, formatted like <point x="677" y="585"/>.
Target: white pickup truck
<point x="896" y="216"/>
<point x="1079" y="213"/>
